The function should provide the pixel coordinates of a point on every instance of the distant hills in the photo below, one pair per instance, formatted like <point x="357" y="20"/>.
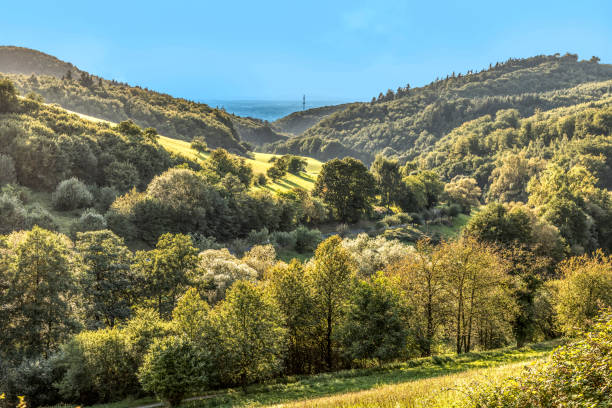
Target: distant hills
<point x="74" y="89"/>
<point x="408" y="121"/>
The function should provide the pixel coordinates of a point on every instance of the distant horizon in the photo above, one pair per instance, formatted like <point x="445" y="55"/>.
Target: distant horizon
<point x="343" y="50"/>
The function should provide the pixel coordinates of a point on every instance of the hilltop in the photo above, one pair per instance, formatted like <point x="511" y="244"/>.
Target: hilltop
<point x="74" y="89"/>
<point x="408" y="121"/>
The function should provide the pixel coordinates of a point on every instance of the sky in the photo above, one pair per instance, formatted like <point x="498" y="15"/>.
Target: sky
<point x="278" y="50"/>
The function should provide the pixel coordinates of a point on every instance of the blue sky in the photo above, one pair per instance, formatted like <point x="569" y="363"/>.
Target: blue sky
<point x="340" y="50"/>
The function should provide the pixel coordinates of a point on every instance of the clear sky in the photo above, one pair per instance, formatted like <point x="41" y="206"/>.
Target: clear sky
<point x="334" y="49"/>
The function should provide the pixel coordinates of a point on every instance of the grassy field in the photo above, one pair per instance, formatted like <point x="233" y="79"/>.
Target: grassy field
<point x="446" y="231"/>
<point x="260" y="162"/>
<point x="415" y="383"/>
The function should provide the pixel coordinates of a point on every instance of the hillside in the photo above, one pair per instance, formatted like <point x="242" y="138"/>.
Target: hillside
<point x="34" y="71"/>
<point x="297" y="123"/>
<point x="410" y="120"/>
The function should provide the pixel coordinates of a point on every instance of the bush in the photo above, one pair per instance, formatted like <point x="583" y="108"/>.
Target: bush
<point x="12" y="214"/>
<point x="262" y="180"/>
<point x="105" y="197"/>
<point x="122" y="176"/>
<point x="39" y="216"/>
<point x="90" y="220"/>
<point x="417" y="218"/>
<point x="282" y="239"/>
<point x="99" y="367"/>
<point x="306" y="240"/>
<point x="35" y="379"/>
<point x="454" y="210"/>
<point x="172" y="368"/>
<point x="199" y="144"/>
<point x="261" y="237"/>
<point x="203" y="242"/>
<point x="7" y="170"/>
<point x="576" y="375"/>
<point x="71" y="194"/>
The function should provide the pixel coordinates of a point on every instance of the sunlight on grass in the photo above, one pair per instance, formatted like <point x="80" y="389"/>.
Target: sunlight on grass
<point x="260" y="162"/>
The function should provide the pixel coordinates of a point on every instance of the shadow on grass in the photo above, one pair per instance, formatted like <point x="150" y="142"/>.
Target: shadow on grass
<point x="306" y="387"/>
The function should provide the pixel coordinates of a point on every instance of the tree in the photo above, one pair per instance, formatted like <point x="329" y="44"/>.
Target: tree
<point x="190" y="316"/>
<point x="7" y="170"/>
<point x="373" y="326"/>
<point x="463" y="191"/>
<point x="172" y="368"/>
<point x="584" y="290"/>
<point x="291" y="288"/>
<point x="479" y="288"/>
<point x="39" y="268"/>
<point x="386" y="173"/>
<point x="278" y="169"/>
<point x="251" y="336"/>
<point x="332" y="272"/>
<point x="296" y="165"/>
<point x="422" y="280"/>
<point x="495" y="224"/>
<point x="199" y="144"/>
<point x="71" y="194"/>
<point x="8" y="96"/>
<point x="106" y="279"/>
<point x="347" y="186"/>
<point x="166" y="270"/>
<point x="509" y="179"/>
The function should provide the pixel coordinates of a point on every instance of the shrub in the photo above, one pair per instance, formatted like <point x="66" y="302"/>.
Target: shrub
<point x="172" y="368"/>
<point x="90" y="220"/>
<point x="261" y="237"/>
<point x="12" y="214"/>
<point x="99" y="367"/>
<point x="199" y="144"/>
<point x="454" y="210"/>
<point x="35" y="379"/>
<point x="306" y="240"/>
<point x="203" y="242"/>
<point x="122" y="176"/>
<point x="576" y="375"/>
<point x="39" y="216"/>
<point x="105" y="197"/>
<point x="71" y="194"/>
<point x="7" y="170"/>
<point x="283" y="239"/>
<point x="262" y="180"/>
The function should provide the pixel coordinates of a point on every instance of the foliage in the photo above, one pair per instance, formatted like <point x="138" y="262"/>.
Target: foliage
<point x="578" y="375"/>
<point x="172" y="368"/>
<point x="584" y="290"/>
<point x="463" y="191"/>
<point x="373" y="327"/>
<point x="347" y="186"/>
<point x="71" y="194"/>
<point x="250" y="334"/>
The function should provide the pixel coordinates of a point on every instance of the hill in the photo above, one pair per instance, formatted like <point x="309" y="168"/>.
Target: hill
<point x="410" y="120"/>
<point x="79" y="91"/>
<point x="297" y="123"/>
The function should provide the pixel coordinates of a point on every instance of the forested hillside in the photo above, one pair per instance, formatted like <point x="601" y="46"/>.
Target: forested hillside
<point x="407" y="121"/>
<point x="62" y="83"/>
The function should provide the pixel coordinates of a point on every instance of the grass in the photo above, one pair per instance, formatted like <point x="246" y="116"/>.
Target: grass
<point x="344" y="388"/>
<point x="260" y="162"/>
<point x="447" y="231"/>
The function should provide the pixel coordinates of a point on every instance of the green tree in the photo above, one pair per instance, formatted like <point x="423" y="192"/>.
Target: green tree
<point x="39" y="270"/>
<point x="373" y="326"/>
<point x="495" y="224"/>
<point x="386" y="172"/>
<point x="166" y="270"/>
<point x="174" y="367"/>
<point x="347" y="186"/>
<point x="106" y="279"/>
<point x="332" y="273"/>
<point x="199" y="144"/>
<point x="291" y="288"/>
<point x="279" y="169"/>
<point x="463" y="191"/>
<point x="8" y="96"/>
<point x="190" y="316"/>
<point x="251" y="336"/>
<point x="422" y="281"/>
<point x="583" y="291"/>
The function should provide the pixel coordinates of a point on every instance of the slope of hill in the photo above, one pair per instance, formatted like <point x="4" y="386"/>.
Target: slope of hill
<point x="414" y="119"/>
<point x="34" y="71"/>
<point x="298" y="122"/>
